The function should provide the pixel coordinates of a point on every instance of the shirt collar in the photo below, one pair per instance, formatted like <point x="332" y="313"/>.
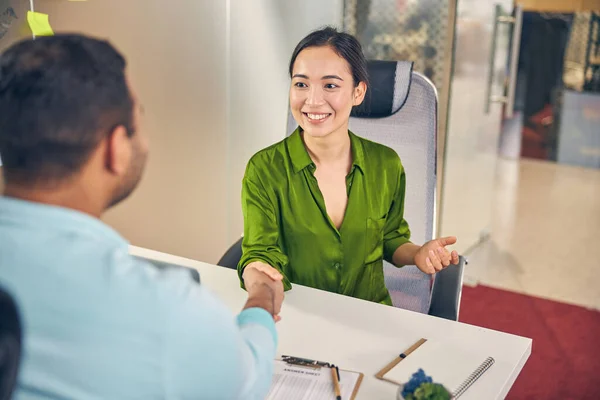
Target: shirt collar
<point x="301" y="159"/>
<point x="358" y="152"/>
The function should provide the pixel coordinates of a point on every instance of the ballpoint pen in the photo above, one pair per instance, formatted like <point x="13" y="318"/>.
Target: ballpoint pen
<point x="335" y="375"/>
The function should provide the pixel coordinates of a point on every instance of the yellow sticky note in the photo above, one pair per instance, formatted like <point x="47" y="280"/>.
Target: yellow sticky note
<point x="39" y="24"/>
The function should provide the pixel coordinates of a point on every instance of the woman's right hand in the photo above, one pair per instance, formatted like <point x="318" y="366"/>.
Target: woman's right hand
<point x="264" y="268"/>
<point x="257" y="275"/>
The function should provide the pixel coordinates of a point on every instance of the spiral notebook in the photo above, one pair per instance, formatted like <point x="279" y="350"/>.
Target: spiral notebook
<point x="455" y="368"/>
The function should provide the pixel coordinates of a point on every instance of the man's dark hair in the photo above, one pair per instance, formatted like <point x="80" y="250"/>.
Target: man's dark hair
<point x="59" y="97"/>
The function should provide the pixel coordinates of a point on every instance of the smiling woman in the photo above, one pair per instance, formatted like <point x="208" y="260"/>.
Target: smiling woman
<point x="325" y="207"/>
<point x="329" y="77"/>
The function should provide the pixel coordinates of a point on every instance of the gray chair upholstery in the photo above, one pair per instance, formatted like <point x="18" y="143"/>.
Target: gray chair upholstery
<point x="446" y="292"/>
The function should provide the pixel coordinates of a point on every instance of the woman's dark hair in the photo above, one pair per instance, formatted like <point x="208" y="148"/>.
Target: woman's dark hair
<point x="345" y="46"/>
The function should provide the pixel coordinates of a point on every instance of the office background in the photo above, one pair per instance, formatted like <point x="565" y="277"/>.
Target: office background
<point x="212" y="76"/>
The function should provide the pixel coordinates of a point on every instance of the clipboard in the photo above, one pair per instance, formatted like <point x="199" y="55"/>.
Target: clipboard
<point x="357" y="386"/>
<point x="315" y="377"/>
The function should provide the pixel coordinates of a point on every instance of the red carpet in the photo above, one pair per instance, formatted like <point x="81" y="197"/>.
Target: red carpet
<point x="565" y="358"/>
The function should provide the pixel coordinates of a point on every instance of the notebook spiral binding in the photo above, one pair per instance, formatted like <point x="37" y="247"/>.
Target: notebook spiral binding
<point x="473" y="377"/>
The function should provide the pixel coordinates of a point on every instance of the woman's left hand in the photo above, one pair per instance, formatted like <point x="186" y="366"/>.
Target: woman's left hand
<point x="433" y="256"/>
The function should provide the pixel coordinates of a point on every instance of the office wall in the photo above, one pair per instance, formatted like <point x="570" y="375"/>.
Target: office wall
<point x="176" y="53"/>
<point x="212" y="76"/>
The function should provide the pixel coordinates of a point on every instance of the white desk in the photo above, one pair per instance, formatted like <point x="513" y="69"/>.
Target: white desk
<point x="364" y="336"/>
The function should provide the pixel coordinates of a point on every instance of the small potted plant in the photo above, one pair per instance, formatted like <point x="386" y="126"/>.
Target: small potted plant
<point x="422" y="387"/>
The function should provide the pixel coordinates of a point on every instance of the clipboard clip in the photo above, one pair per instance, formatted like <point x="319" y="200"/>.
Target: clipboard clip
<point x="305" y="362"/>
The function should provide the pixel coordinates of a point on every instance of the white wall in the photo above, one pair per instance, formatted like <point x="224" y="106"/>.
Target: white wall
<point x="176" y="53"/>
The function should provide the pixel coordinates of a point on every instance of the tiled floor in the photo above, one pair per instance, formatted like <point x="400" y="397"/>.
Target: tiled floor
<point x="545" y="237"/>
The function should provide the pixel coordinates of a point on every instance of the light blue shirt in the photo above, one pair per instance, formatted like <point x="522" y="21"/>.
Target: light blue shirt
<point x="100" y="324"/>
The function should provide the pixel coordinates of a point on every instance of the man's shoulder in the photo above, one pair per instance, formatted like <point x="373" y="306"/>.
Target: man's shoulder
<point x="170" y="284"/>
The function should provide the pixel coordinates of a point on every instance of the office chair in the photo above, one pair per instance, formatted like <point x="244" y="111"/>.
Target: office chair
<point x="400" y="111"/>
<point x="10" y="344"/>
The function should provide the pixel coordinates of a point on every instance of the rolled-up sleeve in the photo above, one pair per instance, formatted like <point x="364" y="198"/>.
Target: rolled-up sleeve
<point x="397" y="231"/>
<point x="252" y="324"/>
<point x="261" y="227"/>
<point x="257" y="316"/>
<point x="212" y="354"/>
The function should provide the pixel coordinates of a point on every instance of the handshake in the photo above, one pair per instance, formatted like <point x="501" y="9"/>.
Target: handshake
<point x="265" y="288"/>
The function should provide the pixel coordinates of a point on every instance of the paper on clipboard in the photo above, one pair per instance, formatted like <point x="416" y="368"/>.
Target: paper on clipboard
<point x="304" y="383"/>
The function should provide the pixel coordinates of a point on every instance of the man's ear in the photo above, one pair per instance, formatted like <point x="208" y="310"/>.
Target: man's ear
<point x="359" y="93"/>
<point x="118" y="151"/>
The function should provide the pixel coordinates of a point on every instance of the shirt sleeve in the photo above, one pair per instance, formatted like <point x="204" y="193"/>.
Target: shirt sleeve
<point x="261" y="227"/>
<point x="209" y="353"/>
<point x="397" y="231"/>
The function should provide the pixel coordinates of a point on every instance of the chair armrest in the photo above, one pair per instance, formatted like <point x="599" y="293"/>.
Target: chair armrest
<point x="447" y="290"/>
<point x="232" y="256"/>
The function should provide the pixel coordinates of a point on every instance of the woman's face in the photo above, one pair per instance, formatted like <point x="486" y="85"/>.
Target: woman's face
<point x="322" y="93"/>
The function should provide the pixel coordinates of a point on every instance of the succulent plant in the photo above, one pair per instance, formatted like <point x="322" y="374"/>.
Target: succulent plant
<point x="421" y="387"/>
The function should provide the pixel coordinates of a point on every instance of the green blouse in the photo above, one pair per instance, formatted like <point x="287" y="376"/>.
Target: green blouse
<point x="286" y="224"/>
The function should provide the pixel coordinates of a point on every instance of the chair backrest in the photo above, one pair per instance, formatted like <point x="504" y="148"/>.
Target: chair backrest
<point x="400" y="111"/>
<point x="10" y="344"/>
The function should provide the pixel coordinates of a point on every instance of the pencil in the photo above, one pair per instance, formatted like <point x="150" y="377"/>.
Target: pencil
<point x="412" y="348"/>
<point x="336" y="383"/>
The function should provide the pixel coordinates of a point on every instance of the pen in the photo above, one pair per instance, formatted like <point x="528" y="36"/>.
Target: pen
<point x="335" y="375"/>
<point x="402" y="356"/>
<point x="412" y="348"/>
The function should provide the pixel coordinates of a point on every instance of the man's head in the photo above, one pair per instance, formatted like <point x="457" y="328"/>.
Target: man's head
<point x="67" y="116"/>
